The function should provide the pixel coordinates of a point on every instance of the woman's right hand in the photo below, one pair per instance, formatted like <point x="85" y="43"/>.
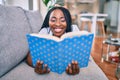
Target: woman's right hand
<point x="73" y="68"/>
<point x="40" y="68"/>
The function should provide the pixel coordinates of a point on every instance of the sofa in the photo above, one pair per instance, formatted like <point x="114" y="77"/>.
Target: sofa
<point x="15" y="23"/>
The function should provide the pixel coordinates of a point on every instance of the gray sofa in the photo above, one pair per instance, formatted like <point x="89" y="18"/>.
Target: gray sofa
<point x="15" y="23"/>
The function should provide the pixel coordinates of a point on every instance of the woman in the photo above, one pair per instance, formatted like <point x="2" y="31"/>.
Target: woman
<point x="57" y="22"/>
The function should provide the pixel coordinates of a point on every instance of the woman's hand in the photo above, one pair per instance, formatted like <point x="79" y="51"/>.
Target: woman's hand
<point x="40" y="68"/>
<point x="73" y="68"/>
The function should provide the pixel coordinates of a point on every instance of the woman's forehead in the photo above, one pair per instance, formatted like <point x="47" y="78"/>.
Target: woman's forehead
<point x="57" y="12"/>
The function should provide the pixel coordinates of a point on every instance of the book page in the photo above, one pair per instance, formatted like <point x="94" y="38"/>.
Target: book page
<point x="46" y="36"/>
<point x="66" y="35"/>
<point x="72" y="34"/>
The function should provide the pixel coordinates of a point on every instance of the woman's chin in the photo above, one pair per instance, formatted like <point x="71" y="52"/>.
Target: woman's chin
<point x="58" y="34"/>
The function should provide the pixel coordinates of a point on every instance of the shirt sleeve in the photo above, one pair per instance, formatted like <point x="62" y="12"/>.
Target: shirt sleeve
<point x="45" y="31"/>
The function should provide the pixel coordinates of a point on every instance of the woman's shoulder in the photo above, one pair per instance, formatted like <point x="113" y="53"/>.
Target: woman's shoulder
<point x="45" y="31"/>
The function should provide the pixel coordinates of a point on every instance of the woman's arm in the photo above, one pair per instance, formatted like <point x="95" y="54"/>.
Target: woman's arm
<point x="29" y="60"/>
<point x="38" y="68"/>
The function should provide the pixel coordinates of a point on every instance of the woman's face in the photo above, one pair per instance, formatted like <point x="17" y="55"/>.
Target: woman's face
<point x="57" y="23"/>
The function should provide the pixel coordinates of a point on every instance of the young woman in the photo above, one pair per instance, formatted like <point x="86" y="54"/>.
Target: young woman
<point x="57" y="22"/>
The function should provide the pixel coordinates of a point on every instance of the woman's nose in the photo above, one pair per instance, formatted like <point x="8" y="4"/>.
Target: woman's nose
<point x="58" y="23"/>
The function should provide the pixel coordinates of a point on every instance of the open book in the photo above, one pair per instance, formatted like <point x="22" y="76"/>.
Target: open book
<point x="59" y="52"/>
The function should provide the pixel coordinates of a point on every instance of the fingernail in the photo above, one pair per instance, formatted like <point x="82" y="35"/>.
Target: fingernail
<point x="76" y="62"/>
<point x="73" y="62"/>
<point x="41" y="62"/>
<point x="45" y="65"/>
<point x="69" y="65"/>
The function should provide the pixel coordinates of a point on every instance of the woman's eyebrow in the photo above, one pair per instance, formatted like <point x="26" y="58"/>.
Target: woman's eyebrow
<point x="62" y="17"/>
<point x="53" y="17"/>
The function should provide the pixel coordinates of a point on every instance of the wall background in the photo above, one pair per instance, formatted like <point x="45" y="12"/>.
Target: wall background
<point x="95" y="7"/>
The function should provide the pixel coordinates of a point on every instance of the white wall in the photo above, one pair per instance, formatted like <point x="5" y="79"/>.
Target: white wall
<point x="119" y="18"/>
<point x="43" y="9"/>
<point x="1" y="2"/>
<point x="37" y="5"/>
<point x="25" y="4"/>
<point x="22" y="3"/>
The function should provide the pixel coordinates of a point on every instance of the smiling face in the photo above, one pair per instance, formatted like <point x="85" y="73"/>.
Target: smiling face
<point x="57" y="23"/>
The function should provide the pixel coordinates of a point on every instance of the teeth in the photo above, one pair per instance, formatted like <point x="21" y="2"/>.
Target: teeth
<point x="58" y="30"/>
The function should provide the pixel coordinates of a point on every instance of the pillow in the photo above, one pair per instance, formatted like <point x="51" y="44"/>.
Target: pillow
<point x="35" y="20"/>
<point x="13" y="44"/>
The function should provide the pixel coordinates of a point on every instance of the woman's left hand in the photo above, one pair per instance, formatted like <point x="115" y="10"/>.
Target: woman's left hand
<point x="73" y="68"/>
<point x="40" y="68"/>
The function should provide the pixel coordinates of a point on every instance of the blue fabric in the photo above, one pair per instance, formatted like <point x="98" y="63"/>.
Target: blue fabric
<point x="59" y="54"/>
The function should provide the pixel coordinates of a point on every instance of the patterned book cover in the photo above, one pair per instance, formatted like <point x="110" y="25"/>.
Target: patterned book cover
<point x="58" y="54"/>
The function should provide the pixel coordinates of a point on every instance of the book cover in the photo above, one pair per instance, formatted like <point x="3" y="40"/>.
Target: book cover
<point x="59" y="52"/>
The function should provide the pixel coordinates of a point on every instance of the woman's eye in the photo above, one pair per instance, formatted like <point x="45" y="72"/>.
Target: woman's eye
<point x="52" y="20"/>
<point x="62" y="20"/>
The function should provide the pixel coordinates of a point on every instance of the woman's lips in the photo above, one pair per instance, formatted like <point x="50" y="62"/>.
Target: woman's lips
<point x="57" y="30"/>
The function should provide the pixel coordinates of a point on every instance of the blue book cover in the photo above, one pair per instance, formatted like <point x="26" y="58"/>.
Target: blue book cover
<point x="59" y="52"/>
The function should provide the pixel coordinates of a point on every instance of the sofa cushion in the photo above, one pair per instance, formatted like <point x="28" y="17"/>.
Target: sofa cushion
<point x="35" y="20"/>
<point x="25" y="72"/>
<point x="13" y="29"/>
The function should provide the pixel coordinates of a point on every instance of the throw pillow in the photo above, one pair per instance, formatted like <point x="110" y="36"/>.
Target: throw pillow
<point x="35" y="20"/>
<point x="13" y="44"/>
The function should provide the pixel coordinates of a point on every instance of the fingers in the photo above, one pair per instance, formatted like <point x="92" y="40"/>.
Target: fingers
<point x="69" y="69"/>
<point x="77" y="67"/>
<point x="46" y="69"/>
<point x="40" y="68"/>
<point x="73" y="68"/>
<point x="40" y="64"/>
